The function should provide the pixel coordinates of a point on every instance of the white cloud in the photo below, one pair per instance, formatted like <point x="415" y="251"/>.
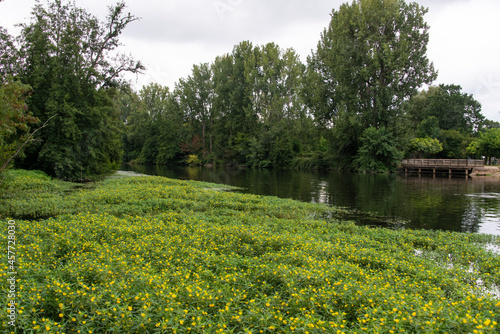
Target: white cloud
<point x="463" y="45"/>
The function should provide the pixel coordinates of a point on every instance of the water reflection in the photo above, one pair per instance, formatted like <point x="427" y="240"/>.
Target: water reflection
<point x="457" y="204"/>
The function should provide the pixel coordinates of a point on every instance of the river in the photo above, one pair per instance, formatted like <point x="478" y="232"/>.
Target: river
<point x="457" y="204"/>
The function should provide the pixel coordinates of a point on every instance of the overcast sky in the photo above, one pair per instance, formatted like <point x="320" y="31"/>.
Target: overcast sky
<point x="173" y="35"/>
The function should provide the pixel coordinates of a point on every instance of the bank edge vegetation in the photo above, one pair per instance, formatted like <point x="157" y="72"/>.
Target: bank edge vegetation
<point x="354" y="105"/>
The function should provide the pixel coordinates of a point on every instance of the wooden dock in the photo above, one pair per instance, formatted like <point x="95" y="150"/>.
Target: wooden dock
<point x="434" y="166"/>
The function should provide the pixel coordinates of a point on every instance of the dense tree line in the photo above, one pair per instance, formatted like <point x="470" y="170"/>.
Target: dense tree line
<point x="244" y="107"/>
<point x="356" y="104"/>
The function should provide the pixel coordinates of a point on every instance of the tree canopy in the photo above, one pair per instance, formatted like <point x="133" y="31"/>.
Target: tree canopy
<point x="68" y="58"/>
<point x="15" y="120"/>
<point x="453" y="109"/>
<point x="372" y="57"/>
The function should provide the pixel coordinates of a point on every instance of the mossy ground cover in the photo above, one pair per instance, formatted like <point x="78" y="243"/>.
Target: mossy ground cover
<point x="156" y="255"/>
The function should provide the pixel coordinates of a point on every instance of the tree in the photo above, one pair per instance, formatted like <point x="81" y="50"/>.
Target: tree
<point x="154" y="126"/>
<point x="196" y="95"/>
<point x="453" y="109"/>
<point x="372" y="57"/>
<point x="233" y="99"/>
<point x="378" y="152"/>
<point x="136" y="120"/>
<point x="8" y="56"/>
<point x="429" y="127"/>
<point x="489" y="143"/>
<point x="246" y="100"/>
<point x="164" y="130"/>
<point x="318" y="92"/>
<point x="223" y="82"/>
<point x="66" y="55"/>
<point x="345" y="139"/>
<point x="489" y="124"/>
<point x="455" y="144"/>
<point x="275" y="76"/>
<point x="15" y="120"/>
<point x="242" y="117"/>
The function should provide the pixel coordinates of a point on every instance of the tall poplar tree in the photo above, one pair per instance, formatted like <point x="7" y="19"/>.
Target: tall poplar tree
<point x="372" y="57"/>
<point x="196" y="95"/>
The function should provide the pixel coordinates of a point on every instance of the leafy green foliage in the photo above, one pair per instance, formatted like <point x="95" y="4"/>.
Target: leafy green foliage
<point x="260" y="106"/>
<point x="429" y="127"/>
<point x="196" y="99"/>
<point x="455" y="144"/>
<point x="473" y="150"/>
<point x="153" y="127"/>
<point x="369" y="61"/>
<point x="425" y="146"/>
<point x="487" y="145"/>
<point x="372" y="57"/>
<point x="346" y="139"/>
<point x="69" y="59"/>
<point x="243" y="107"/>
<point x="15" y="119"/>
<point x="378" y="152"/>
<point x="8" y="56"/>
<point x="452" y="109"/>
<point x="193" y="160"/>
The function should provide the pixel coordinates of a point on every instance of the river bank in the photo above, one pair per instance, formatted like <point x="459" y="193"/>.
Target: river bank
<point x="157" y="255"/>
<point x="491" y="171"/>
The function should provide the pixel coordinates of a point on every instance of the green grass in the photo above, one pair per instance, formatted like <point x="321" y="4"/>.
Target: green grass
<point x="155" y="255"/>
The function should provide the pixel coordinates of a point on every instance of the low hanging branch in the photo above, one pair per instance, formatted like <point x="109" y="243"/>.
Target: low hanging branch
<point x="24" y="144"/>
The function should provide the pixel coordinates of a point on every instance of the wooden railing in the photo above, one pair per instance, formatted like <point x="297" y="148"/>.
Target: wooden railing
<point x="440" y="163"/>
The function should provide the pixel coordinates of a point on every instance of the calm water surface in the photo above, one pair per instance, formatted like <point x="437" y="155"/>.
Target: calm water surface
<point x="457" y="204"/>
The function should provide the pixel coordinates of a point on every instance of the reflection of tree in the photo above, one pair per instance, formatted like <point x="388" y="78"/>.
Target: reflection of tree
<point x="425" y="202"/>
<point x="471" y="219"/>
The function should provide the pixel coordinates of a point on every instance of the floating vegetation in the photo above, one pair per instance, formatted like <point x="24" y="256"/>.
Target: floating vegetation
<point x="155" y="255"/>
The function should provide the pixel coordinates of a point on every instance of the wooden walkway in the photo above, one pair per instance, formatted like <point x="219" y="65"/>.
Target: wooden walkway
<point x="450" y="166"/>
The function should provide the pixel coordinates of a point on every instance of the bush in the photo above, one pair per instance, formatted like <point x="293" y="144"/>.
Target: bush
<point x="425" y="146"/>
<point x="193" y="159"/>
<point x="378" y="151"/>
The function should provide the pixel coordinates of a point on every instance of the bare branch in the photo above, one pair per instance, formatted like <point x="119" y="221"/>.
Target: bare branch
<point x="25" y="143"/>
